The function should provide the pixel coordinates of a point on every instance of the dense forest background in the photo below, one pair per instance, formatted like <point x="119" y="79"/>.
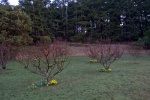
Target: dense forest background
<point x="84" y="20"/>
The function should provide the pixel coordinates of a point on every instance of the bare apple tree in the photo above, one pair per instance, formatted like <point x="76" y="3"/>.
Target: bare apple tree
<point x="109" y="54"/>
<point x="7" y="53"/>
<point x="45" y="59"/>
<point x="92" y="52"/>
<point x="105" y="54"/>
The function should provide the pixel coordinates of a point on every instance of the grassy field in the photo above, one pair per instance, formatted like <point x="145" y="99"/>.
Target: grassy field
<point x="81" y="81"/>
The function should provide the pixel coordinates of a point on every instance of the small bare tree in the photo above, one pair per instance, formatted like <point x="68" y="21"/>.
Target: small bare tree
<point x="45" y="59"/>
<point x="92" y="52"/>
<point x="109" y="54"/>
<point x="7" y="53"/>
<point x="105" y="54"/>
<point x="135" y="51"/>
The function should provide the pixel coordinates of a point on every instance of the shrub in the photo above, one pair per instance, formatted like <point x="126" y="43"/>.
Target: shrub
<point x="105" y="54"/>
<point x="78" y="37"/>
<point x="135" y="51"/>
<point x="45" y="39"/>
<point x="45" y="59"/>
<point x="17" y="40"/>
<point x="92" y="52"/>
<point x="22" y="40"/>
<point x="7" y="53"/>
<point x="41" y="39"/>
<point x="109" y="54"/>
<point x="145" y="41"/>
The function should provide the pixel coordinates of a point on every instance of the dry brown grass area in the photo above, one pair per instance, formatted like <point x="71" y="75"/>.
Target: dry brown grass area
<point x="77" y="49"/>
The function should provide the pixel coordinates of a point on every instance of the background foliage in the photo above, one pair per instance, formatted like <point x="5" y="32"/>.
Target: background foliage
<point x="83" y="20"/>
<point x="100" y="19"/>
<point x="15" y="26"/>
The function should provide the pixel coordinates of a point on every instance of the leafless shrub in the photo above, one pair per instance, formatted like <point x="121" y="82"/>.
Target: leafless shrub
<point x="92" y="52"/>
<point x="45" y="59"/>
<point x="105" y="54"/>
<point x="135" y="51"/>
<point x="7" y="53"/>
<point x="109" y="54"/>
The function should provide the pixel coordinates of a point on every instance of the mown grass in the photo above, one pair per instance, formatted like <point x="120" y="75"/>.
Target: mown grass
<point x="81" y="81"/>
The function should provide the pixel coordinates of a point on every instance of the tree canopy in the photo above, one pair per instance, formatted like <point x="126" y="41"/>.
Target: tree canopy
<point x="15" y="25"/>
<point x="86" y="20"/>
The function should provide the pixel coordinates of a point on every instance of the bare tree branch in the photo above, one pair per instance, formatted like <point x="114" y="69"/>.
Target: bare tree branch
<point x="105" y="54"/>
<point x="46" y="59"/>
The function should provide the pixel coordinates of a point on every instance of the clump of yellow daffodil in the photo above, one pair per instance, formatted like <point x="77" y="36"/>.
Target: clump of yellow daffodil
<point x="52" y="82"/>
<point x="93" y="61"/>
<point x="104" y="70"/>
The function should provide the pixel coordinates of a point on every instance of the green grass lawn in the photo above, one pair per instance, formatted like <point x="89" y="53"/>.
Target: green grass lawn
<point x="81" y="81"/>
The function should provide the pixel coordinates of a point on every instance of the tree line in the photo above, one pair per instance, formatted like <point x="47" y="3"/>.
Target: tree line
<point x="86" y="20"/>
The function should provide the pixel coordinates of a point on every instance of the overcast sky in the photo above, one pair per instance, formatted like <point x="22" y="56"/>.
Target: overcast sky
<point x="13" y="2"/>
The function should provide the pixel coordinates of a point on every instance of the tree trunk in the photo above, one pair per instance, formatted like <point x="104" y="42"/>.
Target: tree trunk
<point x="107" y="66"/>
<point x="47" y="77"/>
<point x="4" y="66"/>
